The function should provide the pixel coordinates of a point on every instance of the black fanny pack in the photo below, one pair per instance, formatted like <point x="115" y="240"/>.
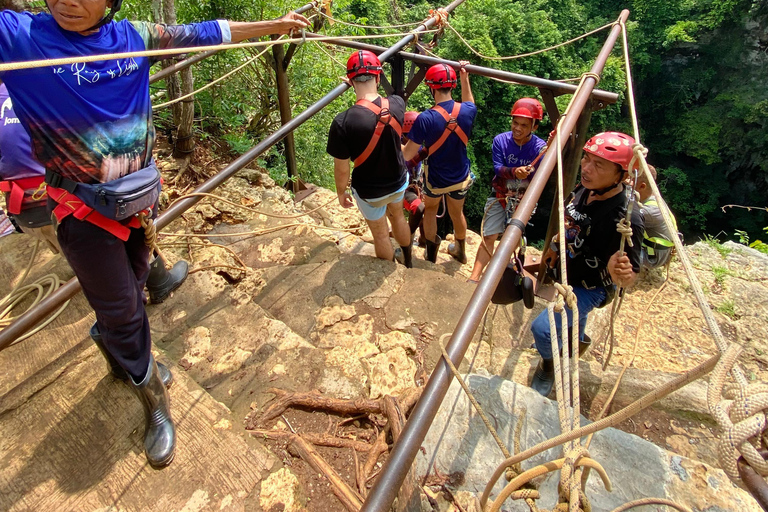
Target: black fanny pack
<point x="117" y="199"/>
<point x="514" y="285"/>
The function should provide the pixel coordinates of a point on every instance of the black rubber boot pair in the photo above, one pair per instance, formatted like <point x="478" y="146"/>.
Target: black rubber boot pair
<point x="432" y="248"/>
<point x="159" y="431"/>
<point x="161" y="281"/>
<point x="456" y="249"/>
<point x="115" y="369"/>
<point x="544" y="376"/>
<point x="407" y="255"/>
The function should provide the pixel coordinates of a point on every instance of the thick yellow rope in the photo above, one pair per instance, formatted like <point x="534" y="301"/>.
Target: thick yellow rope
<point x="537" y="52"/>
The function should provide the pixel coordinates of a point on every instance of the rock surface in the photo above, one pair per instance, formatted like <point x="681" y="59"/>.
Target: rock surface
<point x="459" y="445"/>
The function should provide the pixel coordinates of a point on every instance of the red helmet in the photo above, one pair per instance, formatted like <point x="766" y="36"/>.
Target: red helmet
<point x="440" y="76"/>
<point x="527" y="107"/>
<point x="410" y="118"/>
<point x="363" y="62"/>
<point x="615" y="147"/>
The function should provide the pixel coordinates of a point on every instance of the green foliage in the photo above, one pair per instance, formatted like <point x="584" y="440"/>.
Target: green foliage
<point x="720" y="273"/>
<point x="728" y="308"/>
<point x="757" y="244"/>
<point x="698" y="67"/>
<point x="714" y="243"/>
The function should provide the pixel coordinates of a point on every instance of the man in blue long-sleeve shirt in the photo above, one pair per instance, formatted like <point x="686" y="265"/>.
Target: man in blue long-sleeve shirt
<point x="513" y="153"/>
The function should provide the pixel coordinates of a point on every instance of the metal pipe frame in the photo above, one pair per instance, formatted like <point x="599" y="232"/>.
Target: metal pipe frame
<point x="184" y="64"/>
<point x="399" y="462"/>
<point x="558" y="88"/>
<point x="47" y="306"/>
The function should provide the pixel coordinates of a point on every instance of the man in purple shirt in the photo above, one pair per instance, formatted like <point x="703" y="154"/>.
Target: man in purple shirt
<point x="513" y="153"/>
<point x="90" y="124"/>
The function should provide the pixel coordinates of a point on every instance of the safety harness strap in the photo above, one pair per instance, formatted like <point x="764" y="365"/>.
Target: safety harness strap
<point x="451" y="126"/>
<point x="383" y="119"/>
<point x="69" y="204"/>
<point x="15" y="190"/>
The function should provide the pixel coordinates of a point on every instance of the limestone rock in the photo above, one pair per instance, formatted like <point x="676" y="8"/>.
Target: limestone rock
<point x="281" y="488"/>
<point x="458" y="444"/>
<point x="391" y="373"/>
<point x="348" y="363"/>
<point x="331" y="315"/>
<point x="232" y="361"/>
<point x="197" y="345"/>
<point x="396" y="339"/>
<point x="354" y="334"/>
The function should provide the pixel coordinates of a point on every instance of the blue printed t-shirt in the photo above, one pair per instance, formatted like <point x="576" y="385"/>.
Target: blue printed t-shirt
<point x="449" y="164"/>
<point x="90" y="122"/>
<point x="508" y="153"/>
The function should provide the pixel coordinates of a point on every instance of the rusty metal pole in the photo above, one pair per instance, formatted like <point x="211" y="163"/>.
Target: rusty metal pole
<point x="47" y="306"/>
<point x="558" y="88"/>
<point x="401" y="458"/>
<point x="571" y="163"/>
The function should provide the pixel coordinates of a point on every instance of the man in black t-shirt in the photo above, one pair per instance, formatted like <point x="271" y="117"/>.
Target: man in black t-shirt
<point x="369" y="135"/>
<point x="594" y="264"/>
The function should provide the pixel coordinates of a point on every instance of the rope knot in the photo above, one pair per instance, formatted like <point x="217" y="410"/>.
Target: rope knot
<point x="565" y="296"/>
<point x="440" y="16"/>
<point x="625" y="228"/>
<point x="590" y="74"/>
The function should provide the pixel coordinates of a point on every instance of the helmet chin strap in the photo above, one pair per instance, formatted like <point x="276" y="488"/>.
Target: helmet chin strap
<point x="106" y="19"/>
<point x="601" y="191"/>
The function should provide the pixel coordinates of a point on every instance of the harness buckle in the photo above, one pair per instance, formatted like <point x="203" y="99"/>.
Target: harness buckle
<point x="453" y="123"/>
<point x="384" y="116"/>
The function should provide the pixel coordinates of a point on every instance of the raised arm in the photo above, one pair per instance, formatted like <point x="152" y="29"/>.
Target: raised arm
<point x="247" y="30"/>
<point x="466" y="89"/>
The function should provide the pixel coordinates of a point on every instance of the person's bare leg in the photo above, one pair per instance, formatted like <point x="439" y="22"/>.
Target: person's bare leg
<point x="400" y="229"/>
<point x="456" y="211"/>
<point x="382" y="245"/>
<point x="483" y="256"/>
<point x="431" y="205"/>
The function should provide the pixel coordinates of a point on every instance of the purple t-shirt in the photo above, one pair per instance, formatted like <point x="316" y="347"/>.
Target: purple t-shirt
<point x="16" y="160"/>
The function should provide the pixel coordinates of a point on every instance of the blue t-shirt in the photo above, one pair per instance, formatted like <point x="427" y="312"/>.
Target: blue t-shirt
<point x="16" y="160"/>
<point x="89" y="122"/>
<point x="449" y="164"/>
<point x="508" y="153"/>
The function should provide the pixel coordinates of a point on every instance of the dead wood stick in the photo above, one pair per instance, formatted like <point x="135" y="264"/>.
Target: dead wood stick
<point x="379" y="447"/>
<point x="347" y="496"/>
<point x="394" y="416"/>
<point x="314" y="400"/>
<point x="359" y="476"/>
<point x="316" y="439"/>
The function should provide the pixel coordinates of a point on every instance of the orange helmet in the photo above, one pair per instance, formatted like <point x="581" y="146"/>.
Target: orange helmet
<point x="410" y="118"/>
<point x="615" y="147"/>
<point x="363" y="62"/>
<point x="441" y="76"/>
<point x="527" y="107"/>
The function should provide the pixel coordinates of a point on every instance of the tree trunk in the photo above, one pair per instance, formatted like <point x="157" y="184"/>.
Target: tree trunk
<point x="183" y="112"/>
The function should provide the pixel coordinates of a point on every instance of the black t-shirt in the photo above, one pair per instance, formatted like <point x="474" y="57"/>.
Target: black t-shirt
<point x="384" y="171"/>
<point x="591" y="237"/>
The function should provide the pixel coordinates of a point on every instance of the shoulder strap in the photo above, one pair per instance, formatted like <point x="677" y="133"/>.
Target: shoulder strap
<point x="451" y="126"/>
<point x="383" y="119"/>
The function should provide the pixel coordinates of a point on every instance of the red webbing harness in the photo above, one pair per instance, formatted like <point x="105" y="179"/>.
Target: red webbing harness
<point x="69" y="204"/>
<point x="451" y="126"/>
<point x="16" y="188"/>
<point x="383" y="119"/>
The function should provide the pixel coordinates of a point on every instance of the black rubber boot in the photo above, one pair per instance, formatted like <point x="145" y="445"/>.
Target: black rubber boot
<point x="456" y="249"/>
<point x="407" y="255"/>
<point x="115" y="369"/>
<point x="159" y="432"/>
<point x="432" y="248"/>
<point x="544" y="377"/>
<point x="584" y="345"/>
<point x="161" y="281"/>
